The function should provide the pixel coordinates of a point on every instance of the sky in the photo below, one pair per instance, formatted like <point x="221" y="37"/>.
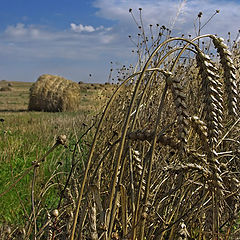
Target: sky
<point x="78" y="39"/>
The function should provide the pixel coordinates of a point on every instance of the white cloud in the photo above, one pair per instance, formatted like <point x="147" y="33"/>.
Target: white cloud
<point x="23" y="32"/>
<point x="18" y="30"/>
<point x="164" y="12"/>
<point x="87" y="28"/>
<point x="82" y="28"/>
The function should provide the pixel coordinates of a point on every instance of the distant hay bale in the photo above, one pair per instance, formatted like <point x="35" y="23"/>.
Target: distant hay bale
<point x="5" y="89"/>
<point x="54" y="94"/>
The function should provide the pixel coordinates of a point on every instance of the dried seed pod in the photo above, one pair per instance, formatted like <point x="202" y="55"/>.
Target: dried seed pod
<point x="61" y="139"/>
<point x="229" y="74"/>
<point x="8" y="230"/>
<point x="55" y="213"/>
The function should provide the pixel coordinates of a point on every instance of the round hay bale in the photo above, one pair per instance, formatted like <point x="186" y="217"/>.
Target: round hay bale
<point x="5" y="89"/>
<point x="54" y="94"/>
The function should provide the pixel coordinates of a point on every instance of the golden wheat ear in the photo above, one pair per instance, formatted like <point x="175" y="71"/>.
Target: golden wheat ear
<point x="201" y="129"/>
<point x="229" y="74"/>
<point x="213" y="97"/>
<point x="179" y="98"/>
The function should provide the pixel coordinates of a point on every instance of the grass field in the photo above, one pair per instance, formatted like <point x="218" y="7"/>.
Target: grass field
<point x="15" y="99"/>
<point x="26" y="136"/>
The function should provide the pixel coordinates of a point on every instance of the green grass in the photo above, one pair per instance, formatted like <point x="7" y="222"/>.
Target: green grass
<point x="25" y="137"/>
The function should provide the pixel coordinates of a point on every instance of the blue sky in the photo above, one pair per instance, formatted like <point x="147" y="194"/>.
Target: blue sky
<point x="75" y="38"/>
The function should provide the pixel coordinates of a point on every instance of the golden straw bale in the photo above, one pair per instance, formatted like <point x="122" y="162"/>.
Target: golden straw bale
<point x="54" y="94"/>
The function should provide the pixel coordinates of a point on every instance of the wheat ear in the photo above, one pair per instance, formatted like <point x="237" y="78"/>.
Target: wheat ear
<point x="213" y="97"/>
<point x="229" y="74"/>
<point x="179" y="98"/>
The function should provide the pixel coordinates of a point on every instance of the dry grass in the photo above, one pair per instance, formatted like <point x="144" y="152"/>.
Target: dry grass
<point x="17" y="99"/>
<point x="178" y="178"/>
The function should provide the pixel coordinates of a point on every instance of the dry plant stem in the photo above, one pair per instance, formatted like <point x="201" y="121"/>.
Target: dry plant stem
<point x="225" y="135"/>
<point x="133" y="124"/>
<point x="215" y="230"/>
<point x="124" y="202"/>
<point x="102" y="159"/>
<point x="116" y="195"/>
<point x="125" y="128"/>
<point x="183" y="196"/>
<point x="189" y="42"/>
<point x="152" y="156"/>
<point x="144" y="92"/>
<point x="137" y="221"/>
<point x="92" y="213"/>
<point x="172" y="208"/>
<point x="150" y="80"/>
<point x="41" y="231"/>
<point x="91" y="154"/>
<point x="41" y="195"/>
<point x="128" y="119"/>
<point x="82" y="219"/>
<point x="176" y="212"/>
<point x="154" y="142"/>
<point x="143" y="33"/>
<point x="194" y="206"/>
<point x="132" y="179"/>
<point x="200" y="210"/>
<point x="96" y="136"/>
